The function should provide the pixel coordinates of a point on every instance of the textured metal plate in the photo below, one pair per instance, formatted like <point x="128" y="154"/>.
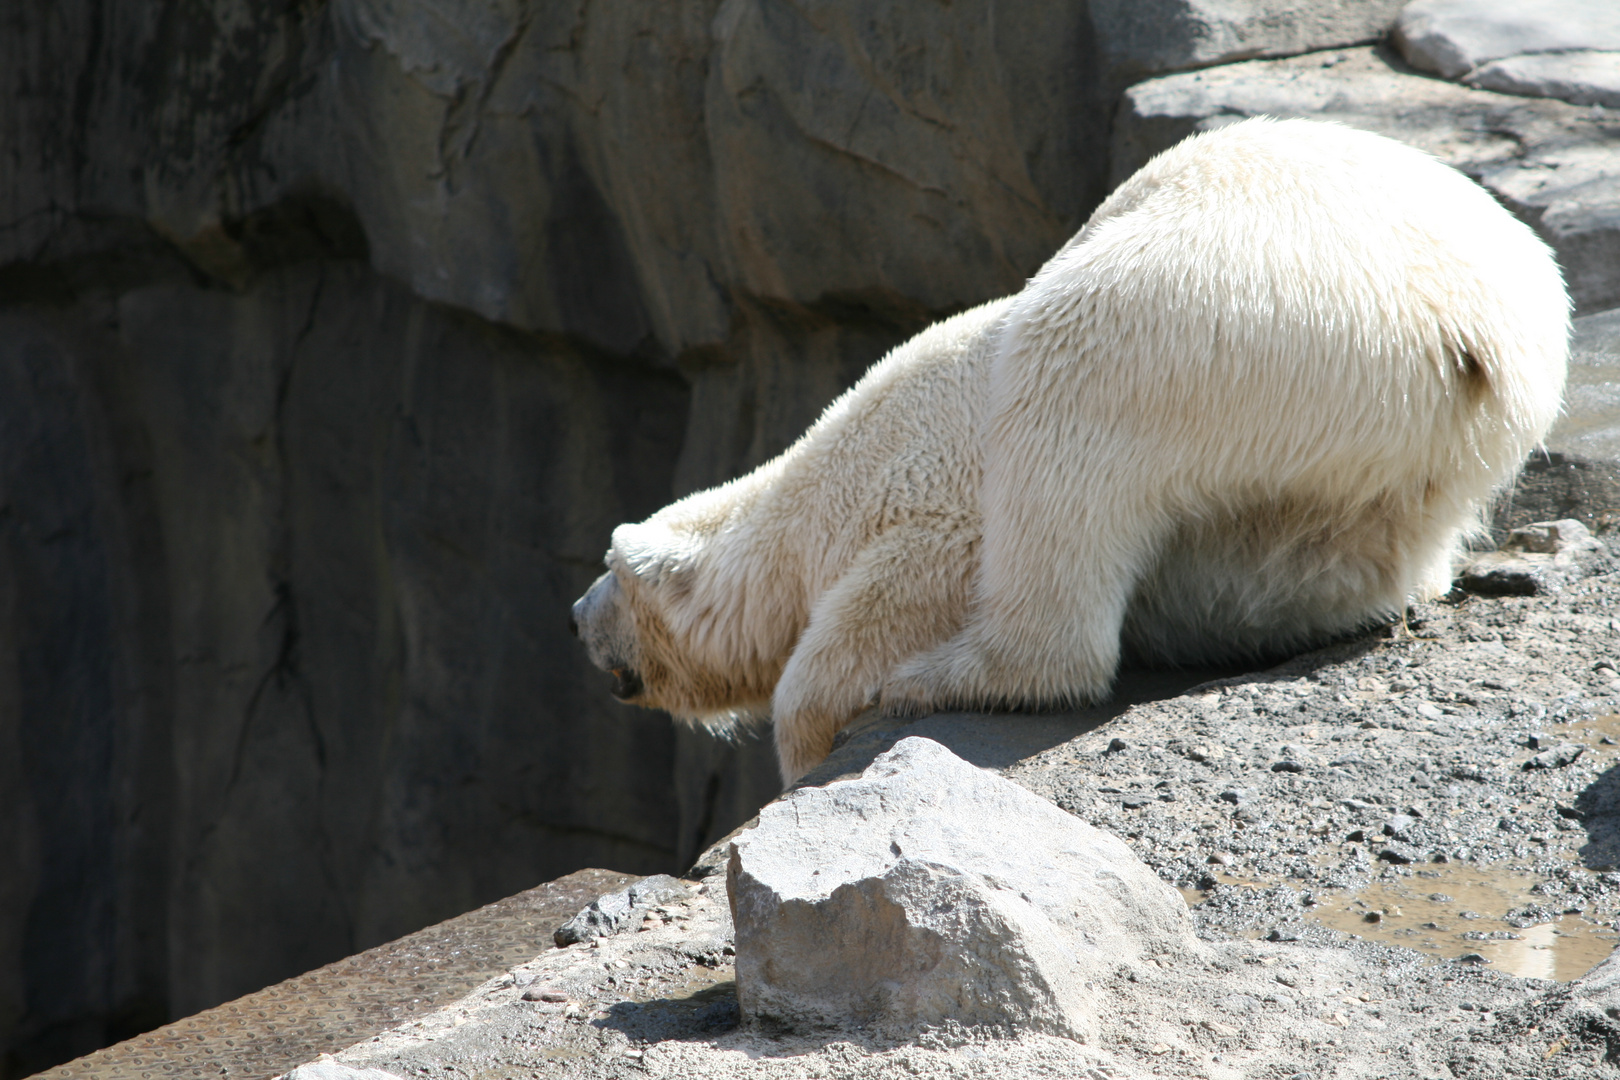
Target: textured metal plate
<point x="269" y="1032"/>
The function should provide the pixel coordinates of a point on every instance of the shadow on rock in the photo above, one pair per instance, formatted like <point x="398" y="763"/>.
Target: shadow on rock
<point x="1598" y="810"/>
<point x="1004" y="739"/>
<point x="709" y="1012"/>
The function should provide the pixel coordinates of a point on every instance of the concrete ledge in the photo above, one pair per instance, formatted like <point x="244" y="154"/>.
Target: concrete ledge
<point x="269" y="1032"/>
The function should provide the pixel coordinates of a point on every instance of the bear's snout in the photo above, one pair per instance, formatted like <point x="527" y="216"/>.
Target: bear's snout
<point x="599" y="620"/>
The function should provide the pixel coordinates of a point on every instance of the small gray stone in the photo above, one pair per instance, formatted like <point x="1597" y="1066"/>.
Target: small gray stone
<point x="1452" y="37"/>
<point x="1502" y="573"/>
<point x="1535" y="559"/>
<point x="1551" y="538"/>
<point x="620" y="911"/>
<point x="1557" y="757"/>
<point x="927" y="891"/>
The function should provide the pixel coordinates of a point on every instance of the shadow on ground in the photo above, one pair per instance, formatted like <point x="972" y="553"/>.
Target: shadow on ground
<point x="1001" y="740"/>
<point x="709" y="1012"/>
<point x="1599" y="809"/>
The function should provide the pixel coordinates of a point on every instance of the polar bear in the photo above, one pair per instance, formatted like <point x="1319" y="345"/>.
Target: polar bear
<point x="1256" y="403"/>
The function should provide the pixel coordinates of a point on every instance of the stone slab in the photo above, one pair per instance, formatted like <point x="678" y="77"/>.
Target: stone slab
<point x="1452" y="37"/>
<point x="1582" y="77"/>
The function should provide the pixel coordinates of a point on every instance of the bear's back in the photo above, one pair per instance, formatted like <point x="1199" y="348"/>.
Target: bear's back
<point x="1293" y="300"/>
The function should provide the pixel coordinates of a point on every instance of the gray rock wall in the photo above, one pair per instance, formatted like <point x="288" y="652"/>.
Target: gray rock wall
<point x="335" y="335"/>
<point x="284" y="663"/>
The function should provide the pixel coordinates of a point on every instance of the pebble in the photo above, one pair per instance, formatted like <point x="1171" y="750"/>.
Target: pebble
<point x="1398" y="825"/>
<point x="1556" y="757"/>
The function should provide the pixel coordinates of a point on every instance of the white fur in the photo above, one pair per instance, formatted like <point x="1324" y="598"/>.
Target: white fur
<point x="1255" y="403"/>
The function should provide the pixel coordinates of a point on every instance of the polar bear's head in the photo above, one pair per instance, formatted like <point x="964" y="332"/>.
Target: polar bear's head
<point x="664" y="623"/>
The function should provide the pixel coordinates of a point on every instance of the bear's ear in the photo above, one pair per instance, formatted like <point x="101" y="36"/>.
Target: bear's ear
<point x="654" y="554"/>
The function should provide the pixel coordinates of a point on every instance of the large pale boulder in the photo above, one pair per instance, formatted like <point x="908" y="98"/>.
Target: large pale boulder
<point x="929" y="890"/>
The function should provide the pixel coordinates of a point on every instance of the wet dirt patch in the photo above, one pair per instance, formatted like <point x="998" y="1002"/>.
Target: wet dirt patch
<point x="1460" y="910"/>
<point x="1601" y="733"/>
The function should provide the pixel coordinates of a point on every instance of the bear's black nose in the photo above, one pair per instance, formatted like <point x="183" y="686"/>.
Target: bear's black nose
<point x="573" y="626"/>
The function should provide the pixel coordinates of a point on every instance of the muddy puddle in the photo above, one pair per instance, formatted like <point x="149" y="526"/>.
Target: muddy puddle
<point x="1600" y="734"/>
<point x="1458" y="910"/>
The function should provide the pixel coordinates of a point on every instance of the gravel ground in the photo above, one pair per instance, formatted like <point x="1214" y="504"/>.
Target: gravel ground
<point x="1483" y="734"/>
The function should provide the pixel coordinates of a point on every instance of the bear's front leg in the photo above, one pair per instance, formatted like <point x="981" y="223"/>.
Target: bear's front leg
<point x="1057" y="569"/>
<point x="1019" y="659"/>
<point x="907" y="591"/>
